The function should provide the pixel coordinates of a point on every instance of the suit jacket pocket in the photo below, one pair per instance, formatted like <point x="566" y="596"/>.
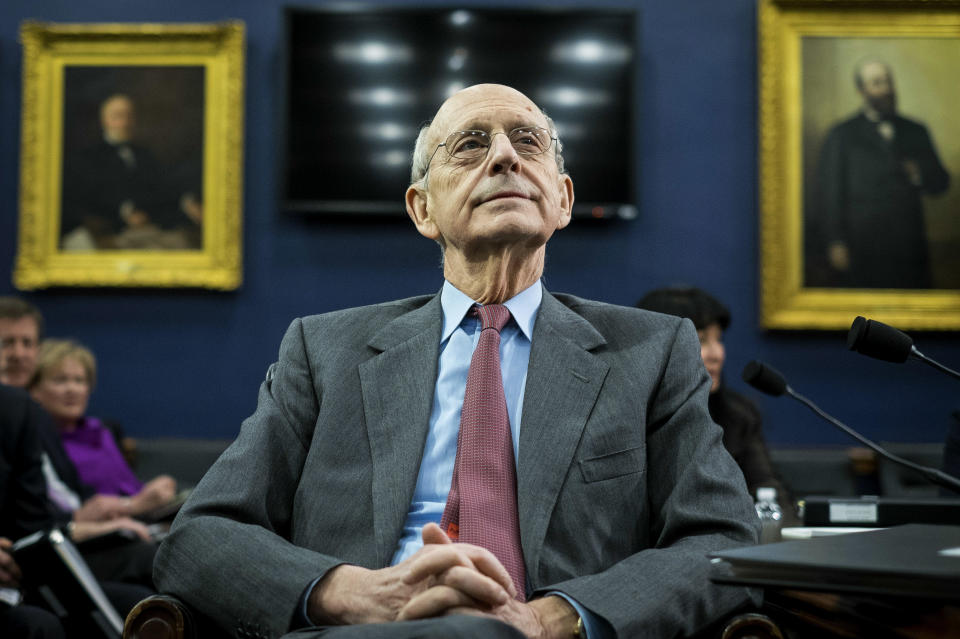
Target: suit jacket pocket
<point x="623" y="462"/>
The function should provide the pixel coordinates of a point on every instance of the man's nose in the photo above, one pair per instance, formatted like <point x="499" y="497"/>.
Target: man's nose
<point x="503" y="157"/>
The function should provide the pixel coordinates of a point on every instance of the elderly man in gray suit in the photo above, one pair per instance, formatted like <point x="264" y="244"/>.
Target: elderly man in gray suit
<point x="374" y="444"/>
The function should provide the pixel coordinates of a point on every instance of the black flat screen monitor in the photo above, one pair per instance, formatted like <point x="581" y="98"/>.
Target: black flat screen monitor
<point x="360" y="80"/>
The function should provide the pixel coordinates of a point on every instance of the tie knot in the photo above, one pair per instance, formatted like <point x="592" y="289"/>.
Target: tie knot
<point x="493" y="316"/>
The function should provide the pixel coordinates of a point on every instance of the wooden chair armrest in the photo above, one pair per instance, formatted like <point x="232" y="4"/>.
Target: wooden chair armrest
<point x="750" y="625"/>
<point x="159" y="617"/>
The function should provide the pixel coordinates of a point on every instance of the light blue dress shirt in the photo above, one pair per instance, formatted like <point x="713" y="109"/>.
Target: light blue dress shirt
<point x="457" y="340"/>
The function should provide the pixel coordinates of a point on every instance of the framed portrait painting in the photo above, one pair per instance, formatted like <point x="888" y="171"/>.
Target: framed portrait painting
<point x="859" y="163"/>
<point x="131" y="155"/>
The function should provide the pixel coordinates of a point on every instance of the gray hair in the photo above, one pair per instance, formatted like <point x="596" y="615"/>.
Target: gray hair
<point x="422" y="153"/>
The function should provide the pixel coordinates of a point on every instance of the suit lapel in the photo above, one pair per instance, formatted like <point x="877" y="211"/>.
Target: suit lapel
<point x="397" y="387"/>
<point x="563" y="381"/>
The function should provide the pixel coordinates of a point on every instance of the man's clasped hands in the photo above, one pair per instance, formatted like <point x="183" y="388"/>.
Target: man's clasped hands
<point x="442" y="578"/>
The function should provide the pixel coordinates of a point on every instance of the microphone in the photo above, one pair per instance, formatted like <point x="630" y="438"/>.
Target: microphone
<point x="765" y="378"/>
<point x="769" y="380"/>
<point x="880" y="341"/>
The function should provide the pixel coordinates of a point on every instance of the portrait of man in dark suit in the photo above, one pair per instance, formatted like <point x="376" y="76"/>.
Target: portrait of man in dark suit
<point x="865" y="224"/>
<point x="132" y="175"/>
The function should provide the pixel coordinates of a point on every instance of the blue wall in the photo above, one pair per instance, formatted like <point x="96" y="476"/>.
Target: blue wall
<point x="188" y="363"/>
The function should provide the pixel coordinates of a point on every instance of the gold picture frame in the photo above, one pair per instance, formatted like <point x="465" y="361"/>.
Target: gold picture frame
<point x="90" y="91"/>
<point x="811" y="58"/>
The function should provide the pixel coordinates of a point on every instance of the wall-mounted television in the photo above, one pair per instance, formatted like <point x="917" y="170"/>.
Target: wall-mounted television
<point x="359" y="80"/>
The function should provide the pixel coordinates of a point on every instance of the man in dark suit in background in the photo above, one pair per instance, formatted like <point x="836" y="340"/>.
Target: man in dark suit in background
<point x="600" y="481"/>
<point x="25" y="509"/>
<point x="867" y="228"/>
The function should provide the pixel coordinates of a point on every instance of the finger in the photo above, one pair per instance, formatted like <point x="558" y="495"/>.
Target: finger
<point x="9" y="570"/>
<point x="463" y="610"/>
<point x="444" y="557"/>
<point x="134" y="526"/>
<point x="142" y="532"/>
<point x="7" y="580"/>
<point x="434" y="601"/>
<point x="475" y="585"/>
<point x="433" y="534"/>
<point x="439" y="558"/>
<point x="488" y="564"/>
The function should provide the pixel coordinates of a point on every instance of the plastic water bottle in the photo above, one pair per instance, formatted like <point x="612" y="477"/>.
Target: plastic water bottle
<point x="771" y="517"/>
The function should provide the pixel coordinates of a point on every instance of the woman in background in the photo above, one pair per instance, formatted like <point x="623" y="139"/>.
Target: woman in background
<point x="739" y="418"/>
<point x="62" y="383"/>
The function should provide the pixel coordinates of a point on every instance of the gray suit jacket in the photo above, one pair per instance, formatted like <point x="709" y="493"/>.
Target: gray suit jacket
<point x="623" y="482"/>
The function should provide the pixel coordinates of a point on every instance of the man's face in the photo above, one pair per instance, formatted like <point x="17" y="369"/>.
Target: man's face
<point x="876" y="87"/>
<point x="504" y="199"/>
<point x="117" y="119"/>
<point x="19" y="343"/>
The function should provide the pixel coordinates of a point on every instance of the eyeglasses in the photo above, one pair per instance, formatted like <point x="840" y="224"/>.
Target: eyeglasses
<point x="474" y="145"/>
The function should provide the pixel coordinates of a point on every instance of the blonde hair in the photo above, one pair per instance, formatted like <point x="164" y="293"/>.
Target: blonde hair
<point x="52" y="354"/>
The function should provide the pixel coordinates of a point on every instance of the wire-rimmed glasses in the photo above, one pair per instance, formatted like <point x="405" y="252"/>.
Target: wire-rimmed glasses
<point x="474" y="145"/>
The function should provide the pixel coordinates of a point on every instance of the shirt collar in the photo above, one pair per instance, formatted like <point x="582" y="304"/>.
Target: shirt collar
<point x="523" y="307"/>
<point x="875" y="116"/>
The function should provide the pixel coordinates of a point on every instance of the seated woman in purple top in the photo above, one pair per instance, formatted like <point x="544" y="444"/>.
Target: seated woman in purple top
<point x="62" y="383"/>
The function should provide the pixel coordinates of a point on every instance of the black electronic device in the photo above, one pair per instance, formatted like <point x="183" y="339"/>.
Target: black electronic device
<point x="359" y="79"/>
<point x="918" y="561"/>
<point x="56" y="574"/>
<point x="882" y="341"/>
<point x="769" y="380"/>
<point x="873" y="511"/>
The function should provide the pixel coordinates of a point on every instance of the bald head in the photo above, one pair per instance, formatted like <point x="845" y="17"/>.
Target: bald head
<point x="874" y="80"/>
<point x="448" y="116"/>
<point x="481" y="95"/>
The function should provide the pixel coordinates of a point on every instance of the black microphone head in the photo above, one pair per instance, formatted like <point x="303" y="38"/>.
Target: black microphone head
<point x="764" y="378"/>
<point x="857" y="331"/>
<point x="878" y="340"/>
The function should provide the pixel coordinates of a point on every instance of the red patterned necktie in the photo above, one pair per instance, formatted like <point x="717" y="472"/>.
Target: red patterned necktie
<point x="482" y="505"/>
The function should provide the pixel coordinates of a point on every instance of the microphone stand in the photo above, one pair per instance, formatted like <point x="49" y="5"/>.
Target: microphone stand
<point x="932" y="474"/>
<point x="932" y="362"/>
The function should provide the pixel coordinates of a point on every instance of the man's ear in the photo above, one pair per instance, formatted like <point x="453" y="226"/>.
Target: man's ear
<point x="416" y="198"/>
<point x="566" y="200"/>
